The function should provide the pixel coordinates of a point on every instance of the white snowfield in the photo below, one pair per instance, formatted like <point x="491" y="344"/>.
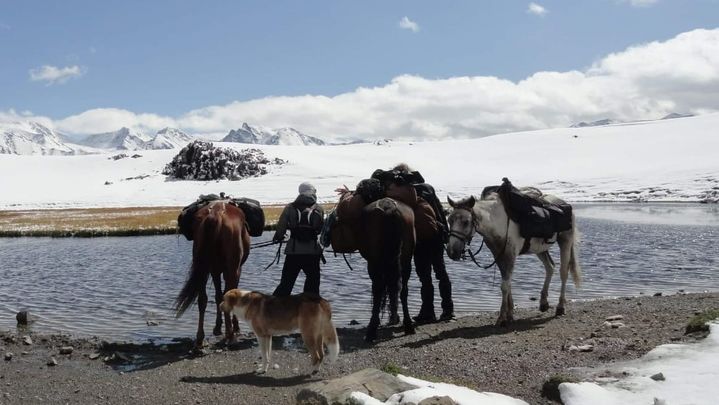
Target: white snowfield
<point x="665" y="160"/>
<point x="460" y="395"/>
<point x="691" y="373"/>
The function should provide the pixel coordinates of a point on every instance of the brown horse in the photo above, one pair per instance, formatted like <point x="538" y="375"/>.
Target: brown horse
<point x="386" y="240"/>
<point x="221" y="245"/>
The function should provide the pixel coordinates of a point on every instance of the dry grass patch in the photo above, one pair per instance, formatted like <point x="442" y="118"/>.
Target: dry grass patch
<point x="102" y="221"/>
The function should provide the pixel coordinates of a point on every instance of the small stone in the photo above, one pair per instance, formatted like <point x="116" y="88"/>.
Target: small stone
<point x="27" y="340"/>
<point x="52" y="362"/>
<point x="276" y="366"/>
<point x="617" y="325"/>
<point x="152" y="323"/>
<point x="532" y="298"/>
<point x="658" y="377"/>
<point x="8" y="356"/>
<point x="25" y="353"/>
<point x="581" y="348"/>
<point x="66" y="350"/>
<point x="354" y="322"/>
<point x="657" y="294"/>
<point x="614" y="318"/>
<point x="94" y="356"/>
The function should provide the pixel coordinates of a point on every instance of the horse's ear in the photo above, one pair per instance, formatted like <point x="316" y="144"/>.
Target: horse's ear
<point x="451" y="202"/>
<point x="471" y="201"/>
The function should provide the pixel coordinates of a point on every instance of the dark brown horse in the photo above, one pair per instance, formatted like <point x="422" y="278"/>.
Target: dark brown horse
<point x="221" y="245"/>
<point x="386" y="240"/>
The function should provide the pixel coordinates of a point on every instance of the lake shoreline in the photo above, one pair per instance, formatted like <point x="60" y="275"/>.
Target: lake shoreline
<point x="469" y="351"/>
<point x="152" y="221"/>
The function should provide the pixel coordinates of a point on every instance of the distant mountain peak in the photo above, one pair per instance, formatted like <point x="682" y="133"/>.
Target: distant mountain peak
<point x="598" y="123"/>
<point x="266" y="136"/>
<point x="31" y="138"/>
<point x="674" y="115"/>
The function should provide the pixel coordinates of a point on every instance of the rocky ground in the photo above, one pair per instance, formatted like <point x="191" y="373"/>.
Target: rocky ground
<point x="469" y="351"/>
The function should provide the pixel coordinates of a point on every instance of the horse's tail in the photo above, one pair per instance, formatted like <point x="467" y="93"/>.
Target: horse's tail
<point x="196" y="281"/>
<point x="574" y="268"/>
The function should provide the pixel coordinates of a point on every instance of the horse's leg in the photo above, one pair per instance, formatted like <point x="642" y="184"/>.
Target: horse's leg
<point x="565" y="252"/>
<point x="548" y="271"/>
<point x="506" y="265"/>
<point x="201" y="306"/>
<point x="378" y="289"/>
<point x="218" y="300"/>
<point x="406" y="272"/>
<point x="230" y="284"/>
<point x="394" y="284"/>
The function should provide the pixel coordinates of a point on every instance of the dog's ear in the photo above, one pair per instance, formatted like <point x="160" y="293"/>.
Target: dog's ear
<point x="229" y="301"/>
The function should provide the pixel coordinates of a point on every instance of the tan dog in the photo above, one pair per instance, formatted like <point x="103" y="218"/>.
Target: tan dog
<point x="269" y="315"/>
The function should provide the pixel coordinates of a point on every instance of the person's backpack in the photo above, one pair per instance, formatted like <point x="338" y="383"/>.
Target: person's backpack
<point x="307" y="224"/>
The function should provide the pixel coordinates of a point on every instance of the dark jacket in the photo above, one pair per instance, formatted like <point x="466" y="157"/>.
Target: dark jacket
<point x="289" y="220"/>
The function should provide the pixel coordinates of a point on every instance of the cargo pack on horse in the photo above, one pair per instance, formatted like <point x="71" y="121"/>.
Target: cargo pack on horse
<point x="514" y="222"/>
<point x="221" y="245"/>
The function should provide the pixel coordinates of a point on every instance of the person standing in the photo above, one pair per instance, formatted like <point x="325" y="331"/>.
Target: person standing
<point x="304" y="219"/>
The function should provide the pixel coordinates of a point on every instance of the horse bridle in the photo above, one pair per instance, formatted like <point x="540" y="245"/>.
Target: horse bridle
<point x="467" y="239"/>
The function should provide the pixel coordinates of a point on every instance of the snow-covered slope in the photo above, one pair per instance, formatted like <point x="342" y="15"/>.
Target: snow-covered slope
<point x="122" y="139"/>
<point x="168" y="138"/>
<point x="29" y="138"/>
<point x="265" y="136"/>
<point x="665" y="160"/>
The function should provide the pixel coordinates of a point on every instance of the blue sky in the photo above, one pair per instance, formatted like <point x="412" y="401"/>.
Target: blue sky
<point x="170" y="57"/>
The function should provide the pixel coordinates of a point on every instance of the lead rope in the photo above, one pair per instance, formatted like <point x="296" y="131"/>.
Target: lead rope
<point x="276" y="259"/>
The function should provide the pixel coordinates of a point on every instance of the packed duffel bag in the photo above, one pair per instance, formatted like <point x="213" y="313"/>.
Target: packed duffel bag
<point x="425" y="222"/>
<point x="404" y="193"/>
<point x="349" y="209"/>
<point x="254" y="215"/>
<point x="343" y="237"/>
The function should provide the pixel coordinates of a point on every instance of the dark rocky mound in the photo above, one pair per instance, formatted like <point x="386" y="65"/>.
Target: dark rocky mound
<point x="200" y="160"/>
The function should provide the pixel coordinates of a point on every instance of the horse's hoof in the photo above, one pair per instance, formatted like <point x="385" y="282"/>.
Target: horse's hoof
<point x="409" y="329"/>
<point x="217" y="331"/>
<point x="393" y="320"/>
<point x="560" y="311"/>
<point x="544" y="306"/>
<point x="503" y="323"/>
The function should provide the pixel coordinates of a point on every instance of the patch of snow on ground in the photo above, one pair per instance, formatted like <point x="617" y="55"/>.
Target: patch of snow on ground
<point x="691" y="372"/>
<point x="460" y="395"/>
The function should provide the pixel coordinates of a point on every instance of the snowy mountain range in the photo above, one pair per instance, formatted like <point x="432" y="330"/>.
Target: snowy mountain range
<point x="33" y="138"/>
<point x="265" y="136"/>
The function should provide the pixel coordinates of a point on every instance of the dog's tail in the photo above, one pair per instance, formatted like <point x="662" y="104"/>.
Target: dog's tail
<point x="329" y="335"/>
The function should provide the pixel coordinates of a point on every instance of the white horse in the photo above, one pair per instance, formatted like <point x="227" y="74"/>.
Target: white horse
<point x="488" y="217"/>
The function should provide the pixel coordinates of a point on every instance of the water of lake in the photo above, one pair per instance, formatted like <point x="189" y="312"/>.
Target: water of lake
<point x="122" y="288"/>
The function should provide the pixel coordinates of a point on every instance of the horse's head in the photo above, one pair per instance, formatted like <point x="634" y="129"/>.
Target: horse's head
<point x="462" y="221"/>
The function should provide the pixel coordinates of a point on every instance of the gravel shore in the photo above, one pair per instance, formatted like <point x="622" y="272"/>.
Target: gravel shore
<point x="470" y="351"/>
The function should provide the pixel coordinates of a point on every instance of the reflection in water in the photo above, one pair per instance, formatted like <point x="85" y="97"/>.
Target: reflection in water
<point x="123" y="288"/>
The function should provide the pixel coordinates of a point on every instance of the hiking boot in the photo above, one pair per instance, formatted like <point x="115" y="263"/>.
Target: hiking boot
<point x="446" y="316"/>
<point x="422" y="319"/>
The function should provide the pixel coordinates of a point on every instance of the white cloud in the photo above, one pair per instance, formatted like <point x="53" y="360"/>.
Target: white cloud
<point x="111" y="119"/>
<point x="642" y="82"/>
<point x="407" y="24"/>
<point x="55" y="75"/>
<point x="640" y="3"/>
<point x="536" y="9"/>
